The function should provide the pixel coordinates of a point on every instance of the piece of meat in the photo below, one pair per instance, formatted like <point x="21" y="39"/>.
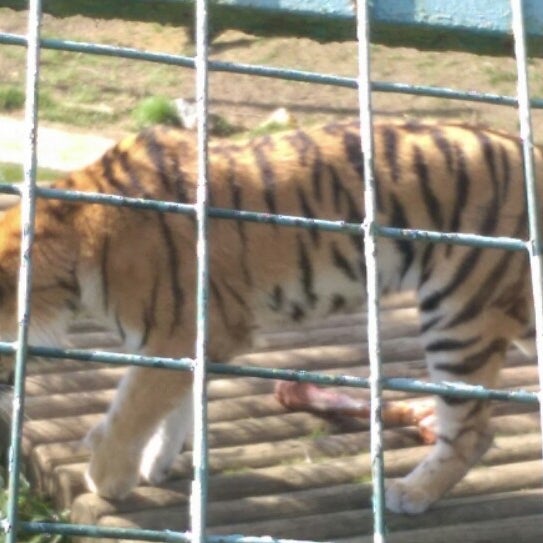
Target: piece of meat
<point x="299" y="396"/>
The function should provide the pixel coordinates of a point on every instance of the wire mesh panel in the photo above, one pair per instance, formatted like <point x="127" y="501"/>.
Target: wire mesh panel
<point x="201" y="211"/>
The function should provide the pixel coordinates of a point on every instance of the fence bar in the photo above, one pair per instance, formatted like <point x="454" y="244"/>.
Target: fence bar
<point x="534" y="209"/>
<point x="372" y="274"/>
<point x="198" y="498"/>
<point x="25" y="273"/>
<point x="376" y="383"/>
<point x="292" y="221"/>
<point x="135" y="534"/>
<point x="269" y="71"/>
<point x="456" y="389"/>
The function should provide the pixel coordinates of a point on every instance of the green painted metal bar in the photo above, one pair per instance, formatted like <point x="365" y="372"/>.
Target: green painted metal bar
<point x="291" y="221"/>
<point x="372" y="273"/>
<point x="534" y="208"/>
<point x="375" y="383"/>
<point x="134" y="534"/>
<point x="268" y="71"/>
<point x="28" y="202"/>
<point x="222" y="368"/>
<point x="452" y="238"/>
<point x="198" y="497"/>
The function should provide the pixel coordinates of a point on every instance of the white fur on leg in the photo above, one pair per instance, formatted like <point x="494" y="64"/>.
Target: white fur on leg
<point x="110" y="456"/>
<point x="118" y="442"/>
<point x="166" y="443"/>
<point x="443" y="468"/>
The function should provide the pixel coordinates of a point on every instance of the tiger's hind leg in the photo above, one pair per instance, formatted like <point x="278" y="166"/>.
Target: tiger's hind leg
<point x="463" y="434"/>
<point x="457" y="449"/>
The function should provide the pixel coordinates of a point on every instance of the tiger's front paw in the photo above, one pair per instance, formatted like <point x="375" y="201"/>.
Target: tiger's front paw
<point x="156" y="463"/>
<point x="166" y="443"/>
<point x="404" y="497"/>
<point x="113" y="468"/>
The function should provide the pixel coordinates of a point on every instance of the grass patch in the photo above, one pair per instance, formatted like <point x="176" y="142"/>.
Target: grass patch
<point x="33" y="508"/>
<point x="498" y="77"/>
<point x="156" y="110"/>
<point x="13" y="173"/>
<point x="11" y="98"/>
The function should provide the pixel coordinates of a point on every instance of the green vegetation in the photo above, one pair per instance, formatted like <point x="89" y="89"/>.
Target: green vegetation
<point x="13" y="173"/>
<point x="33" y="508"/>
<point x="11" y="98"/>
<point x="499" y="77"/>
<point x="155" y="110"/>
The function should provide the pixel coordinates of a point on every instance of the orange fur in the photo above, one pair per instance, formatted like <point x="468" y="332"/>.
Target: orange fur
<point x="136" y="268"/>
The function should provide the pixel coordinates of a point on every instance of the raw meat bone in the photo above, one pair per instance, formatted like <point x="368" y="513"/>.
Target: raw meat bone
<point x="325" y="401"/>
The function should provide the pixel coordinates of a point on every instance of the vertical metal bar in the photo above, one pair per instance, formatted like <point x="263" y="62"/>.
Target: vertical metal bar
<point x="200" y="445"/>
<point x="536" y="249"/>
<point x="372" y="280"/>
<point x="25" y="273"/>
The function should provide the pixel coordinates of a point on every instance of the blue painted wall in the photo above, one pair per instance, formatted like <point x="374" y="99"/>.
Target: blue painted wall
<point x="481" y="26"/>
<point x="482" y="15"/>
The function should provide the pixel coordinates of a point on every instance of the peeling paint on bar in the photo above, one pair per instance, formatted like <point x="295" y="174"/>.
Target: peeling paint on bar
<point x="223" y="368"/>
<point x="369" y="196"/>
<point x="28" y="207"/>
<point x="198" y="494"/>
<point x="534" y="208"/>
<point x="470" y="240"/>
<point x="426" y="14"/>
<point x="135" y="534"/>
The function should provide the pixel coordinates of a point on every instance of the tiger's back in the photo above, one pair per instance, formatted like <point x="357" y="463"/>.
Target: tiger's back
<point x="137" y="268"/>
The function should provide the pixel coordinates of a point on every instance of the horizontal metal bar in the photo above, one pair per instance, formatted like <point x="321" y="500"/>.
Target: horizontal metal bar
<point x="459" y="390"/>
<point x="181" y="60"/>
<point x="136" y="534"/>
<point x="456" y="389"/>
<point x="106" y="357"/>
<point x="269" y="71"/>
<point x="470" y="240"/>
<point x="451" y="94"/>
<point x="452" y="238"/>
<point x="187" y="209"/>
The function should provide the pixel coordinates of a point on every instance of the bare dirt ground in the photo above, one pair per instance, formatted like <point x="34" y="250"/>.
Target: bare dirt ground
<point x="99" y="93"/>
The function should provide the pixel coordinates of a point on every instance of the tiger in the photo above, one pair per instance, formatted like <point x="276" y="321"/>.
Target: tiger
<point x="136" y="270"/>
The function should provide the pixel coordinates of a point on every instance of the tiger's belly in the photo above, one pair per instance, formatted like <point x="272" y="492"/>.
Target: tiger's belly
<point x="292" y="303"/>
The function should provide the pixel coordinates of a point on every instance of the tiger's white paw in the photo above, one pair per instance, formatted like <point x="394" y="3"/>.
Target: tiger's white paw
<point x="156" y="462"/>
<point x="404" y="497"/>
<point x="113" y="468"/>
<point x="158" y="458"/>
<point x="166" y="443"/>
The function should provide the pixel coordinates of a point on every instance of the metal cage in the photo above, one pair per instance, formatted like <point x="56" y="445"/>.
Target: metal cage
<point x="29" y="192"/>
